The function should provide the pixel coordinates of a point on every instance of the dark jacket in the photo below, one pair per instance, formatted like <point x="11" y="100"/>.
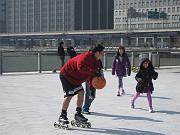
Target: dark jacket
<point x="144" y="78"/>
<point x="121" y="68"/>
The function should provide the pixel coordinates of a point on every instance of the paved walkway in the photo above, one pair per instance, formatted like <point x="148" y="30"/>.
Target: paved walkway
<point x="29" y="105"/>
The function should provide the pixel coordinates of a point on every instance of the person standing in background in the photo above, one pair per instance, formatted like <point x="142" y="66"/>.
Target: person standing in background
<point x="71" y="52"/>
<point x="121" y="67"/>
<point x="61" y="53"/>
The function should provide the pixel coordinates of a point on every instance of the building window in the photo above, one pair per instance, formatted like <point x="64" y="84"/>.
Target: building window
<point x="178" y="9"/>
<point x="164" y="9"/>
<point x="128" y="5"/>
<point x="143" y="4"/>
<point x="124" y="27"/>
<point x="156" y="3"/>
<point x="164" y="3"/>
<point x="157" y="25"/>
<point x="141" y="26"/>
<point x="168" y="17"/>
<point x="169" y="2"/>
<point x="116" y="6"/>
<point x="147" y="4"/>
<point x="135" y="5"/>
<point x="131" y="5"/>
<point x="116" y="13"/>
<point x="124" y="13"/>
<point x="176" y="17"/>
<point x="174" y="2"/>
<point x="166" y="25"/>
<point x="173" y="9"/>
<point x="149" y="25"/>
<point x="169" y="10"/>
<point x="120" y="6"/>
<point x="151" y="4"/>
<point x="175" y="24"/>
<point x="124" y="5"/>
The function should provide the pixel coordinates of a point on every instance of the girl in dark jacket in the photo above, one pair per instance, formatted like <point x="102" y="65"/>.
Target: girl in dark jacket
<point x="121" y="67"/>
<point x="144" y="82"/>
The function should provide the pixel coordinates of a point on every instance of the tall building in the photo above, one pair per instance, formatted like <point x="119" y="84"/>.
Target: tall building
<point x="170" y="7"/>
<point x="141" y="19"/>
<point x="39" y="15"/>
<point x="93" y="14"/>
<point x="58" y="15"/>
<point x="2" y="16"/>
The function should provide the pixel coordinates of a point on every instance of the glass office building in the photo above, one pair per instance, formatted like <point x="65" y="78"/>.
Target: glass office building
<point x="94" y="14"/>
<point x="58" y="15"/>
<point x="39" y="15"/>
<point x="2" y="16"/>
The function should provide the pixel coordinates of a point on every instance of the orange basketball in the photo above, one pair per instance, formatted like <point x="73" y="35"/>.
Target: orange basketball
<point x="98" y="82"/>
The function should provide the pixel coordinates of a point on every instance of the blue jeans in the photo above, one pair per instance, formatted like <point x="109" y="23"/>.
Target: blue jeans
<point x="120" y="82"/>
<point x="87" y="100"/>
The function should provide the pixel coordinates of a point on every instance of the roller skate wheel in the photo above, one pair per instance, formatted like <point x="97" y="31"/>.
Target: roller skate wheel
<point x="84" y="126"/>
<point x="65" y="127"/>
<point x="56" y="125"/>
<point x="88" y="125"/>
<point x="73" y="123"/>
<point x="78" y="124"/>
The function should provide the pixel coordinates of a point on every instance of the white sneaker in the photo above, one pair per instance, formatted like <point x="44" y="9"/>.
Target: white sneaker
<point x="151" y="110"/>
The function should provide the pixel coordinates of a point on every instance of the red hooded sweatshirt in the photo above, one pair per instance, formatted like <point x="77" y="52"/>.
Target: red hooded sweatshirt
<point x="80" y="68"/>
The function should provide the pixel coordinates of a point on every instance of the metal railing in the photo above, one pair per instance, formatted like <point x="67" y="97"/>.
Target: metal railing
<point x="39" y="61"/>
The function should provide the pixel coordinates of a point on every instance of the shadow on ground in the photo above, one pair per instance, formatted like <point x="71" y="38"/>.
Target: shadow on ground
<point x="167" y="112"/>
<point x="119" y="131"/>
<point x="117" y="117"/>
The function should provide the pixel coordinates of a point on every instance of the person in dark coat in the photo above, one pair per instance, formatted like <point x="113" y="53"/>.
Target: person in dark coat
<point x="61" y="53"/>
<point x="121" y="67"/>
<point x="71" y="52"/>
<point x="144" y="82"/>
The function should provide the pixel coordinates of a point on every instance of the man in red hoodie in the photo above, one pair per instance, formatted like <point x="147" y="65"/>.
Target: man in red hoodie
<point x="75" y="72"/>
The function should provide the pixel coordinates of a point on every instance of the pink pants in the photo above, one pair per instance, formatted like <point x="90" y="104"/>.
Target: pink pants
<point x="137" y="94"/>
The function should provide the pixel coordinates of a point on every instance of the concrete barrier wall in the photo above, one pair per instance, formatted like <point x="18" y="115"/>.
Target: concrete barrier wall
<point x="48" y="61"/>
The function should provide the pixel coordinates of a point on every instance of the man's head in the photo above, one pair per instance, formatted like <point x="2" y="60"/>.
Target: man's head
<point x="98" y="51"/>
<point x="61" y="43"/>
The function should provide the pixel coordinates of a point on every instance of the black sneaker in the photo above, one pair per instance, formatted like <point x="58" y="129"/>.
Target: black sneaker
<point x="63" y="119"/>
<point x="132" y="105"/>
<point x="80" y="117"/>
